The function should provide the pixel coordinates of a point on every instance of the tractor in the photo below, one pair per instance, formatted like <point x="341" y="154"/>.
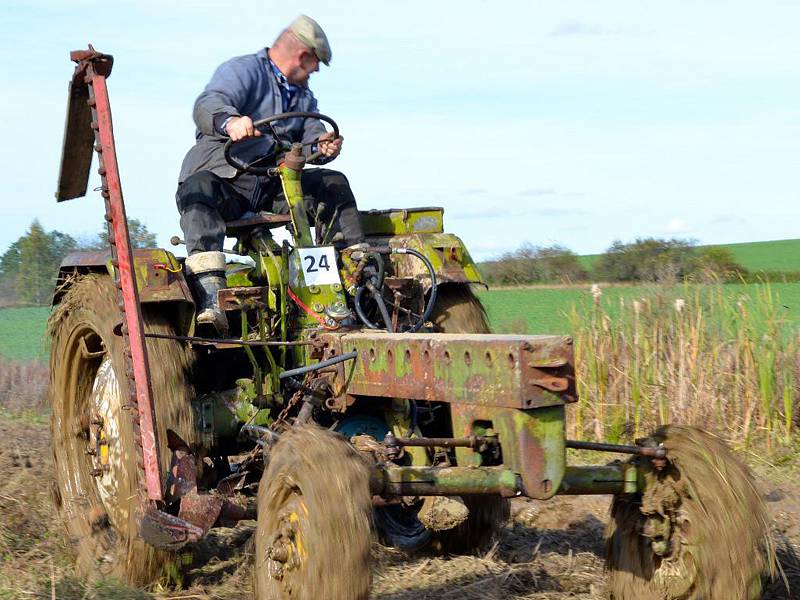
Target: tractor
<point x="361" y="396"/>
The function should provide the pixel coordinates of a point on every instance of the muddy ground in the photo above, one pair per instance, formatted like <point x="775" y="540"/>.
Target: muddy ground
<point x="549" y="550"/>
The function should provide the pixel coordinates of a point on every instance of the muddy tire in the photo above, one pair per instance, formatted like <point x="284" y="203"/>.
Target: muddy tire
<point x="399" y="527"/>
<point x="97" y="495"/>
<point x="458" y="310"/>
<point x="314" y="520"/>
<point x="698" y="531"/>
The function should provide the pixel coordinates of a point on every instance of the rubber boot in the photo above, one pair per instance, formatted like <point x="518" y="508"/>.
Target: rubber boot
<point x="206" y="275"/>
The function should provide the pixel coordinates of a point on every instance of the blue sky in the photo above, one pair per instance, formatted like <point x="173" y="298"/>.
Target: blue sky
<point x="551" y="122"/>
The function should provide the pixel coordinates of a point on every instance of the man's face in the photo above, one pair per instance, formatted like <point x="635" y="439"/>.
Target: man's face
<point x="303" y="66"/>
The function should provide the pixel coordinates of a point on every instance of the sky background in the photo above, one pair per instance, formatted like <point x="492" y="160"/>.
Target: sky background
<point x="575" y="123"/>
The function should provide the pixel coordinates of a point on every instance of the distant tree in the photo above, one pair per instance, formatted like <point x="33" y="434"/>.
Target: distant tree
<point x="647" y="259"/>
<point x="516" y="268"/>
<point x="9" y="262"/>
<point x="141" y="237"/>
<point x="36" y="266"/>
<point x="9" y="268"/>
<point x="714" y="263"/>
<point x="558" y="263"/>
<point x="532" y="264"/>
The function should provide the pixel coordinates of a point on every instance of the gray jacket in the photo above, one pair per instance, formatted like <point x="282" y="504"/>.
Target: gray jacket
<point x="244" y="86"/>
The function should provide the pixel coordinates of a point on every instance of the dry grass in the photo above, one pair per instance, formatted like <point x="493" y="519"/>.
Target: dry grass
<point x="23" y="385"/>
<point x="726" y="364"/>
<point x="548" y="551"/>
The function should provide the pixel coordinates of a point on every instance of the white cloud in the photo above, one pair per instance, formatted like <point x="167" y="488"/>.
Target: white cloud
<point x="538" y="191"/>
<point x="574" y="27"/>
<point x="678" y="226"/>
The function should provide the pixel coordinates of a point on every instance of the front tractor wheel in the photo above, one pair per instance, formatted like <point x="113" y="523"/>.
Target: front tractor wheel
<point x="698" y="531"/>
<point x="97" y="487"/>
<point x="314" y="520"/>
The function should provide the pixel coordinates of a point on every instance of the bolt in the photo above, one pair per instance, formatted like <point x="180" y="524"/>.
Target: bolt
<point x="660" y="547"/>
<point x="279" y="553"/>
<point x="659" y="463"/>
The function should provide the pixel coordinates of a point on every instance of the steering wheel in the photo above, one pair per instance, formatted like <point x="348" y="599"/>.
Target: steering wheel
<point x="280" y="146"/>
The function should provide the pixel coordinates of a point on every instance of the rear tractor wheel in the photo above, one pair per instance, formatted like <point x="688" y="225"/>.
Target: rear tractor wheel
<point x="314" y="520"/>
<point x="698" y="531"/>
<point x="458" y="310"/>
<point x="95" y="452"/>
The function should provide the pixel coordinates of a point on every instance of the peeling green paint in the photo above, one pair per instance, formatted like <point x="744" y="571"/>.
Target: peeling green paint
<point x="395" y="221"/>
<point x="451" y="481"/>
<point x="620" y="478"/>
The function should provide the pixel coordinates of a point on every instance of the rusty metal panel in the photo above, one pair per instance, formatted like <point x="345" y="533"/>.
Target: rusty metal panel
<point x="76" y="152"/>
<point x="159" y="275"/>
<point x="478" y="369"/>
<point x="247" y="298"/>
<point x="532" y="442"/>
<point x="448" y="255"/>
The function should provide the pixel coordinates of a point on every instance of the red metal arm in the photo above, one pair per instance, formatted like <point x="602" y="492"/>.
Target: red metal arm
<point x="90" y="76"/>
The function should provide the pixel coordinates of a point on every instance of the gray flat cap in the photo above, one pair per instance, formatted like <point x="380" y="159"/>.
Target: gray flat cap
<point x="310" y="33"/>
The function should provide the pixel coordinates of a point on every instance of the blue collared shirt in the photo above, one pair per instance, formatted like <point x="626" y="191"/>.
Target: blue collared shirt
<point x="288" y="92"/>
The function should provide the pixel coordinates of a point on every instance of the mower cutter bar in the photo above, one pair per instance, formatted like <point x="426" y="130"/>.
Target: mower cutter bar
<point x="89" y="120"/>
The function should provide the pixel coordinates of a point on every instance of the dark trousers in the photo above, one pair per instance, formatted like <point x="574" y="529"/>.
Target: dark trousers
<point x="206" y="202"/>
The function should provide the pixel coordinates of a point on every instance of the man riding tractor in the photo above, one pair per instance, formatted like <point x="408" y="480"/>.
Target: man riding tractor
<point x="211" y="192"/>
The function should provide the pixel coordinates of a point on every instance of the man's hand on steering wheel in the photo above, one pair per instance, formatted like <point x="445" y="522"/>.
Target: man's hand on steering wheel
<point x="239" y="128"/>
<point x="330" y="146"/>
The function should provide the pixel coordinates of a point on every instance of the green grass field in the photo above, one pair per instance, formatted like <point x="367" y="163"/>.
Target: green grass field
<point x="510" y="310"/>
<point x="775" y="255"/>
<point x="546" y="310"/>
<point x="22" y="333"/>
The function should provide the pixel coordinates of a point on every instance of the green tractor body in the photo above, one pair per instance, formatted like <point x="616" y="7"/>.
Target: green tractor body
<point x="380" y="355"/>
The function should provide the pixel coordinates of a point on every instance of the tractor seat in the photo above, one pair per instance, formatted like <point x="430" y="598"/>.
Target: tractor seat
<point x="253" y="220"/>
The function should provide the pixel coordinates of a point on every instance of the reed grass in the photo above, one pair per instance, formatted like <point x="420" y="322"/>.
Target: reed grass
<point x="698" y="355"/>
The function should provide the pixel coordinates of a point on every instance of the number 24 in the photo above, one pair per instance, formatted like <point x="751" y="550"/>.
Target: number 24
<point x="322" y="264"/>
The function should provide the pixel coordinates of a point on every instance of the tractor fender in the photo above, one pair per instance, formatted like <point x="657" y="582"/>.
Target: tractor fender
<point x="448" y="255"/>
<point x="159" y="279"/>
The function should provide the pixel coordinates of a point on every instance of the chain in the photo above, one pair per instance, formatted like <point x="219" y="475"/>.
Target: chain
<point x="280" y="423"/>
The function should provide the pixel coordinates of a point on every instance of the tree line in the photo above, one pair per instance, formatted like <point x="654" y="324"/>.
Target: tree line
<point x="29" y="266"/>
<point x="643" y="260"/>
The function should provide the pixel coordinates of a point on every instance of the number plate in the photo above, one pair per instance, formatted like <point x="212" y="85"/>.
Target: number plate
<point x="319" y="265"/>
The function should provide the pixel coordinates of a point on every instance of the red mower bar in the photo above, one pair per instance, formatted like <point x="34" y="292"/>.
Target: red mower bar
<point x="88" y="127"/>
